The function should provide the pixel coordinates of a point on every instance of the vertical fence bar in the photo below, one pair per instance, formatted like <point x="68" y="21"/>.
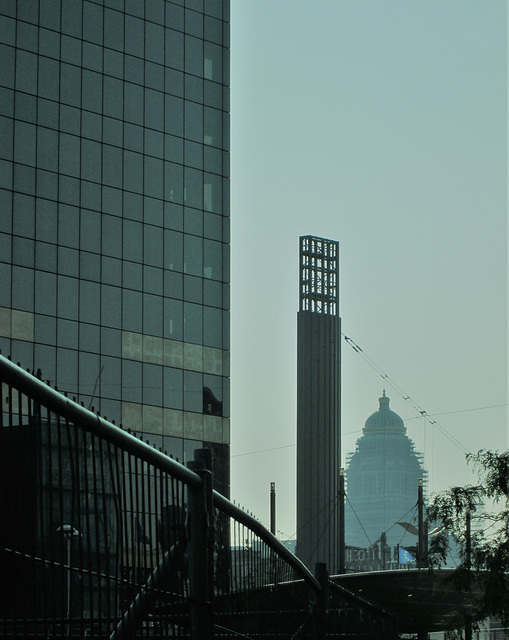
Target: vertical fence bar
<point x="200" y="530"/>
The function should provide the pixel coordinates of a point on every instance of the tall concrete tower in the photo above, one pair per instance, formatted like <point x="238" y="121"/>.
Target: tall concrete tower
<point x="318" y="403"/>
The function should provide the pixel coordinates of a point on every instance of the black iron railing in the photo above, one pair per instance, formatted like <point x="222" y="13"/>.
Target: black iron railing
<point x="103" y="536"/>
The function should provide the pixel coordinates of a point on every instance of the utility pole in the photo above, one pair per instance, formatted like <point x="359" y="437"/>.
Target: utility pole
<point x="468" y="562"/>
<point x="422" y="550"/>
<point x="273" y="508"/>
<point x="383" y="544"/>
<point x="342" y="521"/>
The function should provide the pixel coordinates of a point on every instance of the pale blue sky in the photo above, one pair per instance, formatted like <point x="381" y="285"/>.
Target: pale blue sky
<point x="381" y="125"/>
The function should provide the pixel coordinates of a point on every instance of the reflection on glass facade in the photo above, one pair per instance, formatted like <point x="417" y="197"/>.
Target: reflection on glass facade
<point x="114" y="210"/>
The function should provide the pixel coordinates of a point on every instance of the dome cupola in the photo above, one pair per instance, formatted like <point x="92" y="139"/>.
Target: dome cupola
<point x="384" y="420"/>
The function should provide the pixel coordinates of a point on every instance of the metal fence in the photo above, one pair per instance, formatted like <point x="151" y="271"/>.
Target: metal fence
<point x="103" y="536"/>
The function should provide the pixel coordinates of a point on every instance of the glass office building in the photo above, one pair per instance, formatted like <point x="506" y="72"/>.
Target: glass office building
<point x="114" y="210"/>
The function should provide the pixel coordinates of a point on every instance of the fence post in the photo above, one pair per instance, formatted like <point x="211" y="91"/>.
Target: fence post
<point x="200" y="549"/>
<point x="322" y="575"/>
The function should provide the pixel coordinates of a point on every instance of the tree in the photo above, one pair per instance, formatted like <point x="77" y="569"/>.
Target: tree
<point x="486" y="548"/>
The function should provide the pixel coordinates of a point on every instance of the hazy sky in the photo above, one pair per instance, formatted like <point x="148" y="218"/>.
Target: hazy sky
<point x="381" y="125"/>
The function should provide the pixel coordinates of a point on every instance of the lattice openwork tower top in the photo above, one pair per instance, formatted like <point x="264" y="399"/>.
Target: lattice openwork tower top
<point x="319" y="275"/>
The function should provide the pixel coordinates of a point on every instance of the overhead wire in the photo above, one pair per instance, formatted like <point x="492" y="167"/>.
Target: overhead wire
<point x="422" y="412"/>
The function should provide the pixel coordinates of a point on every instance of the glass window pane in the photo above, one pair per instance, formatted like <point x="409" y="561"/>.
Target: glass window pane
<point x="133" y="103"/>
<point x="89" y="337"/>
<point x="71" y="50"/>
<point x="67" y="370"/>
<point x="69" y="156"/>
<point x="92" y="91"/>
<point x="194" y="121"/>
<point x="113" y="29"/>
<point x="67" y="297"/>
<point x="132" y="275"/>
<point x="113" y="105"/>
<point x="154" y="109"/>
<point x="193" y="322"/>
<point x="26" y="71"/>
<point x="90" y="235"/>
<point x="49" y="76"/>
<point x="89" y="302"/>
<point x="68" y="261"/>
<point x="174" y="115"/>
<point x="153" y="246"/>
<point x="67" y="332"/>
<point x="153" y="168"/>
<point x="174" y="41"/>
<point x="134" y="36"/>
<point x="24" y="215"/>
<point x="212" y="327"/>
<point x="112" y="166"/>
<point x="92" y="23"/>
<point x="173" y="388"/>
<point x="90" y="266"/>
<point x="154" y="49"/>
<point x="111" y="377"/>
<point x="213" y="127"/>
<point x="47" y="149"/>
<point x="46" y="256"/>
<point x="133" y="171"/>
<point x="111" y="306"/>
<point x="173" y="319"/>
<point x="89" y="369"/>
<point x="193" y="391"/>
<point x="68" y="226"/>
<point x="193" y="188"/>
<point x="152" y="384"/>
<point x="212" y="193"/>
<point x="24" y="138"/>
<point x="112" y="271"/>
<point x="173" y="182"/>
<point x="133" y="241"/>
<point x="194" y="56"/>
<point x="152" y="315"/>
<point x="90" y="160"/>
<point x="70" y="84"/>
<point x="132" y="380"/>
<point x="131" y="310"/>
<point x="111" y="235"/>
<point x="45" y="293"/>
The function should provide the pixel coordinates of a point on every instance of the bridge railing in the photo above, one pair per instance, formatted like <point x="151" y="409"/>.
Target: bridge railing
<point x="104" y="536"/>
<point x="101" y="535"/>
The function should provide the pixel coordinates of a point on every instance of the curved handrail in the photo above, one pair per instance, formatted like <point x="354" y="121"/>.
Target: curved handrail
<point x="74" y="412"/>
<point x="264" y="534"/>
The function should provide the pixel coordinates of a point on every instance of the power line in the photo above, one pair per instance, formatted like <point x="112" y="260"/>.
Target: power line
<point x="446" y="413"/>
<point x="422" y="412"/>
<point x="250" y="453"/>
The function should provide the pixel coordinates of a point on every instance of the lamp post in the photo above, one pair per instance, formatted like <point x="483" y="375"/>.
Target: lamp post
<point x="69" y="532"/>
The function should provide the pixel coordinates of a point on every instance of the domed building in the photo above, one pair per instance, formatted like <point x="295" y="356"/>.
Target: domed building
<point x="382" y="481"/>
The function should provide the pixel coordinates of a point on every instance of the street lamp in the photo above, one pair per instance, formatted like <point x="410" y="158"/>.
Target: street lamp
<point x="69" y="532"/>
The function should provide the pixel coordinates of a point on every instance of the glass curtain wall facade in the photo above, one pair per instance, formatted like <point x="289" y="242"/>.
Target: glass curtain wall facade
<point x="114" y="210"/>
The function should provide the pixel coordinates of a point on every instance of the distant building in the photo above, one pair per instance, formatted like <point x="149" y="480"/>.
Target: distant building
<point x="318" y="403"/>
<point x="382" y="482"/>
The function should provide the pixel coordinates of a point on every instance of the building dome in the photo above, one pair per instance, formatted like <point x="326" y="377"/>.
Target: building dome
<point x="382" y="481"/>
<point x="384" y="420"/>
